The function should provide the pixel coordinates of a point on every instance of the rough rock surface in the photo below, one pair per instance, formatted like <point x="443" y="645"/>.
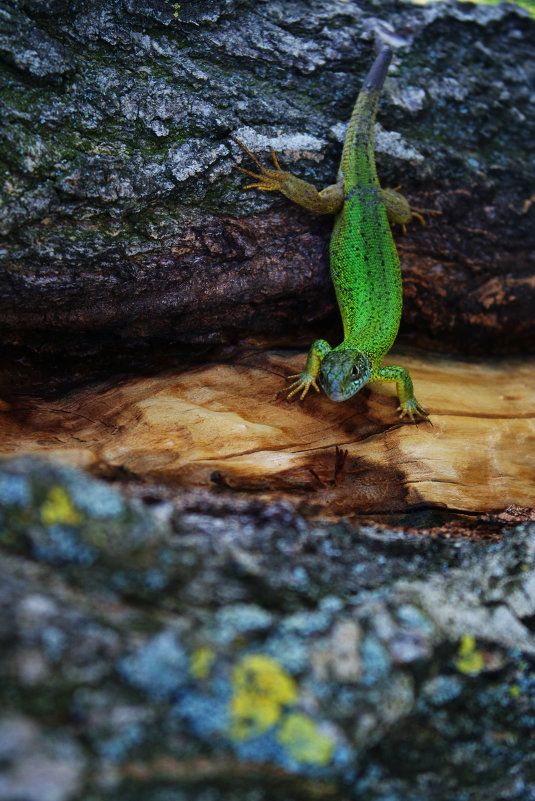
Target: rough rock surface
<point x="206" y="649"/>
<point x="122" y="211"/>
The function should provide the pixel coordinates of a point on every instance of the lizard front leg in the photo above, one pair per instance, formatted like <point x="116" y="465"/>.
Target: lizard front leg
<point x="308" y="377"/>
<point x="327" y="201"/>
<point x="408" y="405"/>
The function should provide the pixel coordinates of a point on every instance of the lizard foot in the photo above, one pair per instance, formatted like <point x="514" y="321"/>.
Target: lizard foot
<point x="304" y="382"/>
<point x="419" y="214"/>
<point x="413" y="409"/>
<point x="399" y="210"/>
<point x="268" y="180"/>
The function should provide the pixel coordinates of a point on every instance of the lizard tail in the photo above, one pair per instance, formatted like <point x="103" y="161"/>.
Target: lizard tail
<point x="358" y="162"/>
<point x="376" y="76"/>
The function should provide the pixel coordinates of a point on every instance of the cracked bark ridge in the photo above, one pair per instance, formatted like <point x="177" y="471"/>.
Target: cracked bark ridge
<point x="211" y="646"/>
<point x="170" y="291"/>
<point x="120" y="207"/>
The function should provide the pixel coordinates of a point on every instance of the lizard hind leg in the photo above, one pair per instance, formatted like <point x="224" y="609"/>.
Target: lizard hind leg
<point x="249" y="153"/>
<point x="328" y="201"/>
<point x="398" y="209"/>
<point x="400" y="212"/>
<point x="254" y="158"/>
<point x="267" y="180"/>
<point x="418" y="213"/>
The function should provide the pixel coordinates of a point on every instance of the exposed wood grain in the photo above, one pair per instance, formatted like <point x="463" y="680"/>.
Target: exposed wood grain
<point x="222" y="425"/>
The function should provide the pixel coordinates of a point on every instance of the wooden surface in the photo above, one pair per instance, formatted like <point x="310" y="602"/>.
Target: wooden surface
<point x="223" y="426"/>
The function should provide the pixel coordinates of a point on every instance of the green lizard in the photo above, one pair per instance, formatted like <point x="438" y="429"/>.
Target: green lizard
<point x="365" y="267"/>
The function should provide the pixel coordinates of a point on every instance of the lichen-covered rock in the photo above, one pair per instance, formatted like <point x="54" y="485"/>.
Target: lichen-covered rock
<point x="67" y="519"/>
<point x="314" y="661"/>
<point x="38" y="764"/>
<point x="122" y="210"/>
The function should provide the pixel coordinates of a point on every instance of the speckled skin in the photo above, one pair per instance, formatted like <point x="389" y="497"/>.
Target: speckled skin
<point x="365" y="265"/>
<point x="363" y="254"/>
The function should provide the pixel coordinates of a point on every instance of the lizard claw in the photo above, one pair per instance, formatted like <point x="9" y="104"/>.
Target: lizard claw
<point x="413" y="409"/>
<point x="268" y="180"/>
<point x="304" y="382"/>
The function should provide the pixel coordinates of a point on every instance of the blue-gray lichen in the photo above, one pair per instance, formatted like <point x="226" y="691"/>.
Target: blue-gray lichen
<point x="260" y="655"/>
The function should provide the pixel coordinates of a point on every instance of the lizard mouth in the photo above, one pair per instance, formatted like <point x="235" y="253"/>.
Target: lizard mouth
<point x="337" y="392"/>
<point x="337" y="396"/>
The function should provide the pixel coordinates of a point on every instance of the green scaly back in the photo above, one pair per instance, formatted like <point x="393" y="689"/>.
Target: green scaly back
<point x="364" y="262"/>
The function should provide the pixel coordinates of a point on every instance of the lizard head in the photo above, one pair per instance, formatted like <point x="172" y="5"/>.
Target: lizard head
<point x="343" y="373"/>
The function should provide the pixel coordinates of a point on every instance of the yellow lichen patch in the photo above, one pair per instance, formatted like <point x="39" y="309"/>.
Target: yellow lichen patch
<point x="58" y="509"/>
<point x="304" y="741"/>
<point x="469" y="659"/>
<point x="201" y="662"/>
<point x="261" y="689"/>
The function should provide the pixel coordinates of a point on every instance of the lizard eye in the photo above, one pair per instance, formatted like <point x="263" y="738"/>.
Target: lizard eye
<point x="355" y="371"/>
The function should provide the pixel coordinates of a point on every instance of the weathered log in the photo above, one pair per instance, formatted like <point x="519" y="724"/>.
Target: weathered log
<point x="223" y="425"/>
<point x="121" y="201"/>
